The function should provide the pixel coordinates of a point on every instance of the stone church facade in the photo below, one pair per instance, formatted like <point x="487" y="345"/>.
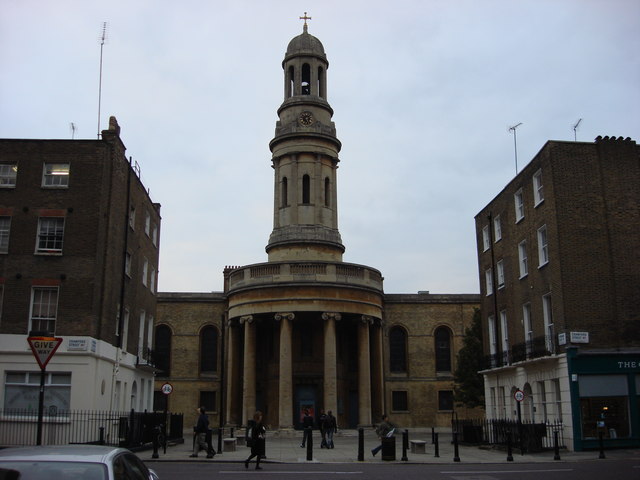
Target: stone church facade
<point x="306" y="329"/>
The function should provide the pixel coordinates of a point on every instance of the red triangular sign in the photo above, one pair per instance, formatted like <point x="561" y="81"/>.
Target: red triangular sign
<point x="43" y="348"/>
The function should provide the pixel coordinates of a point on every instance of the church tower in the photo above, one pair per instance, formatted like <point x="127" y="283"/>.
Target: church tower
<point x="305" y="160"/>
<point x="305" y="328"/>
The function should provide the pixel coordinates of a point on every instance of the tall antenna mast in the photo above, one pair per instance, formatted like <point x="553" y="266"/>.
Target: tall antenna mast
<point x="104" y="35"/>
<point x="515" y="144"/>
<point x="575" y="127"/>
<point x="73" y="130"/>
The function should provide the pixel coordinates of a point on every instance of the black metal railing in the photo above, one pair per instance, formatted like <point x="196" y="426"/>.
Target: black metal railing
<point x="146" y="358"/>
<point x="526" y="436"/>
<point x="128" y="429"/>
<point x="537" y="347"/>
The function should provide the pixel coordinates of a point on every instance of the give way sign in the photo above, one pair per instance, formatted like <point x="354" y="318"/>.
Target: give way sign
<point x="43" y="348"/>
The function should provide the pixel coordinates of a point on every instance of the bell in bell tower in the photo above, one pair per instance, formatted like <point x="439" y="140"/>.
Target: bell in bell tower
<point x="305" y="160"/>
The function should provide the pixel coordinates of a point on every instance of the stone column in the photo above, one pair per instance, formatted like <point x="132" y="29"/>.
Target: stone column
<point x="249" y="373"/>
<point x="377" y="366"/>
<point x="285" y="382"/>
<point x="364" y="372"/>
<point x="330" y="400"/>
<point x="233" y="373"/>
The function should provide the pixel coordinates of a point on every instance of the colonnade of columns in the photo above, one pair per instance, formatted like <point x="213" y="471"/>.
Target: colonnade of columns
<point x="368" y="385"/>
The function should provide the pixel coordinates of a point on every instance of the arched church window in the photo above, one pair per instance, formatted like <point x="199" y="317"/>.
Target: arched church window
<point x="290" y="82"/>
<point x="327" y="192"/>
<point x="443" y="349"/>
<point x="208" y="349"/>
<point x="306" y="189"/>
<point x="306" y="79"/>
<point x="162" y="350"/>
<point x="285" y="193"/>
<point x="397" y="350"/>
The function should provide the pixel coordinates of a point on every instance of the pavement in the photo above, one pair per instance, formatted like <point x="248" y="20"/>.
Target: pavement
<point x="286" y="449"/>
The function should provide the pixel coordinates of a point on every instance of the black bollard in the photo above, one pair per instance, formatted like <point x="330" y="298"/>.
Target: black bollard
<point x="405" y="445"/>
<point x="437" y="446"/>
<point x="556" y="447"/>
<point x="310" y="444"/>
<point x="456" y="454"/>
<point x="361" y="445"/>
<point x="220" y="432"/>
<point x="232" y="433"/>
<point x="433" y="435"/>
<point x="155" y="443"/>
<point x="601" y="442"/>
<point x="101" y="435"/>
<point x="509" y="452"/>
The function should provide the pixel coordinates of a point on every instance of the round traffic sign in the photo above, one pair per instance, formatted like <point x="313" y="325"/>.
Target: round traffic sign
<point x="518" y="395"/>
<point x="167" y="388"/>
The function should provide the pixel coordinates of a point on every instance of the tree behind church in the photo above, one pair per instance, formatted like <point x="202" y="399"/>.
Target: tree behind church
<point x="469" y="384"/>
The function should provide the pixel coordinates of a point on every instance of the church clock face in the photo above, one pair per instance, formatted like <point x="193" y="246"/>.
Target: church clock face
<point x="306" y="119"/>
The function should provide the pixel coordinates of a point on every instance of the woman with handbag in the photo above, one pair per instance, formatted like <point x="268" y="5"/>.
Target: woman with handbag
<point x="257" y="435"/>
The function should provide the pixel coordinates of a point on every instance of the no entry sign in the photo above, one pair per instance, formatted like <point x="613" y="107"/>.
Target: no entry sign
<point x="43" y="348"/>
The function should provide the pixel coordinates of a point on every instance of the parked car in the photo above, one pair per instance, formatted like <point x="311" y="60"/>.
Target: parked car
<point x="67" y="462"/>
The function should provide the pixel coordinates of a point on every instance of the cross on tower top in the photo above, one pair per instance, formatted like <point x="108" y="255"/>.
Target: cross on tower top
<point x="305" y="18"/>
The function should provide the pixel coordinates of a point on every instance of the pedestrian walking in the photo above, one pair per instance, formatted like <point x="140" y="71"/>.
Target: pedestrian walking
<point x="386" y="429"/>
<point x="322" y="418"/>
<point x="257" y="434"/>
<point x="200" y="432"/>
<point x="307" y="427"/>
<point x="331" y="427"/>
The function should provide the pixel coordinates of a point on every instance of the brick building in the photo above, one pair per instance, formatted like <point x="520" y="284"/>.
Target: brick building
<point x="559" y="264"/>
<point x="306" y="330"/>
<point x="79" y="238"/>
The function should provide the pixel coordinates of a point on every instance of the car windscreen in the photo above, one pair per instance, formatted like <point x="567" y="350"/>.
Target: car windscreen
<point x="39" y="470"/>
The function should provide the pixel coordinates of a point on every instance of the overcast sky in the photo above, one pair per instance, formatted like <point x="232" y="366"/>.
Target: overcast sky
<point x="423" y="92"/>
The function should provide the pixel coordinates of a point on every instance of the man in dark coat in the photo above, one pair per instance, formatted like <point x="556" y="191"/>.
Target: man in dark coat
<point x="307" y="425"/>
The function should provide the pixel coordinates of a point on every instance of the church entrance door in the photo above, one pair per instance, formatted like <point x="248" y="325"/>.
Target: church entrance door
<point x="306" y="397"/>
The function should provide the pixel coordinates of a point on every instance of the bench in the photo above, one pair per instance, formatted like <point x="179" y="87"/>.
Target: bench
<point x="418" y="446"/>
<point x="229" y="444"/>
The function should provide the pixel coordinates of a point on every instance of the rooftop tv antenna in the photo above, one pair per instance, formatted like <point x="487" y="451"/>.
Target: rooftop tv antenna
<point x="515" y="144"/>
<point x="575" y="127"/>
<point x="102" y="39"/>
<point x="73" y="128"/>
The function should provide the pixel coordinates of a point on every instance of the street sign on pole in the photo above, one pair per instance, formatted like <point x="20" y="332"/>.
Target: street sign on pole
<point x="166" y="388"/>
<point x="518" y="395"/>
<point x="43" y="348"/>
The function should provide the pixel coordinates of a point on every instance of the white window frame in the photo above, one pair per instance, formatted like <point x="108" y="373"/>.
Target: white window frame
<point x="55" y="175"/>
<point x="547" y="316"/>
<point x="497" y="229"/>
<point x="43" y="308"/>
<point x="493" y="335"/>
<point x="8" y="175"/>
<point x="500" y="273"/>
<point x="542" y="396"/>
<point x="488" y="281"/>
<point x="518" y="201"/>
<point x="486" y="241"/>
<point x="5" y="233"/>
<point x="58" y="384"/>
<point x="44" y="235"/>
<point x="152" y="280"/>
<point x="543" y="246"/>
<point x="504" y="331"/>
<point x="141" y="333"/>
<point x="538" y="188"/>
<point x="154" y="235"/>
<point x="523" y="261"/>
<point x="147" y="224"/>
<point x="528" y="329"/>
<point x="145" y="271"/>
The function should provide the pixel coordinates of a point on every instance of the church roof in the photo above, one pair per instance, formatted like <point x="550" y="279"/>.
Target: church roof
<point x="305" y="44"/>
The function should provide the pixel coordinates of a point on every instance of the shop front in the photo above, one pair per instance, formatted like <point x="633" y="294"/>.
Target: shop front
<point x="605" y="387"/>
